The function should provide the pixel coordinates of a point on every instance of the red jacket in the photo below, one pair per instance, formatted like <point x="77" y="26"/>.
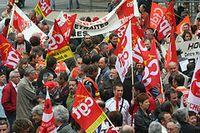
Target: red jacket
<point x="9" y="97"/>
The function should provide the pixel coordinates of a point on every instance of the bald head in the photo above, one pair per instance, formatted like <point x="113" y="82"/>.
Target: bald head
<point x="127" y="129"/>
<point x="20" y="38"/>
<point x="172" y="67"/>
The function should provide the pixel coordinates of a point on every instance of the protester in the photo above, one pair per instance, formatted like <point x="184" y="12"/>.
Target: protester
<point x="9" y="97"/>
<point x="25" y="94"/>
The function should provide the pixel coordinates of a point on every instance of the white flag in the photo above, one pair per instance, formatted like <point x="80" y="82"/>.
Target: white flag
<point x="124" y="59"/>
<point x="194" y="93"/>
<point x="21" y="23"/>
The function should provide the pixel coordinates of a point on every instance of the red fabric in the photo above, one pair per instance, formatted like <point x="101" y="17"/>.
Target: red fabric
<point x="74" y="72"/>
<point x="144" y="21"/>
<point x="9" y="97"/>
<point x="50" y="85"/>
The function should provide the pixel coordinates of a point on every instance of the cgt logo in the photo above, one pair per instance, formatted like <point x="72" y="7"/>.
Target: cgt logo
<point x="195" y="87"/>
<point x="83" y="109"/>
<point x="55" y="41"/>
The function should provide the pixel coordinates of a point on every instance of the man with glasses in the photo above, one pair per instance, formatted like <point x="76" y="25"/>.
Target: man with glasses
<point x="9" y="96"/>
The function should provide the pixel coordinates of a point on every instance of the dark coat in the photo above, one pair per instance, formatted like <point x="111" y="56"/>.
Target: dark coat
<point x="42" y="72"/>
<point x="27" y="44"/>
<point x="187" y="128"/>
<point x="142" y="121"/>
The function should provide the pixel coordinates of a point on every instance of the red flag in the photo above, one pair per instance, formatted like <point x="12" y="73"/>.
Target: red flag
<point x="152" y="73"/>
<point x="156" y="15"/>
<point x="48" y="124"/>
<point x="171" y="52"/>
<point x="66" y="23"/>
<point x="179" y="28"/>
<point x="9" y="56"/>
<point x="86" y="111"/>
<point x="167" y="22"/>
<point x="43" y="7"/>
<point x="151" y="76"/>
<point x="58" y="46"/>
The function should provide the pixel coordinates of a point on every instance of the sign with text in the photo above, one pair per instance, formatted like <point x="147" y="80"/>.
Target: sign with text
<point x="112" y="21"/>
<point x="190" y="49"/>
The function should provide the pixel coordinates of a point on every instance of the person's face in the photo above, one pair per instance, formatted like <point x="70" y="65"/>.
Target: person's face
<point x="25" y="65"/>
<point x="145" y="104"/>
<point x="167" y="118"/>
<point x="172" y="68"/>
<point x="105" y="49"/>
<point x="102" y="63"/>
<point x="192" y="120"/>
<point x="142" y="9"/>
<point x="16" y="78"/>
<point x="72" y="86"/>
<point x="3" y="128"/>
<point x="174" y="98"/>
<point x="147" y="43"/>
<point x="114" y="40"/>
<point x="140" y="67"/>
<point x="186" y="27"/>
<point x="79" y="61"/>
<point x="171" y="128"/>
<point x="87" y="39"/>
<point x="32" y="76"/>
<point x="187" y="37"/>
<point x="37" y="118"/>
<point x="148" y="34"/>
<point x="20" y="38"/>
<point x="113" y="74"/>
<point x="118" y="91"/>
<point x="3" y="79"/>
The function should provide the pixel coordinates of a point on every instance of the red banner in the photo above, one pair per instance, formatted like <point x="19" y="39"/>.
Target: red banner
<point x="168" y="20"/>
<point x="9" y="56"/>
<point x="152" y="73"/>
<point x="43" y="7"/>
<point x="156" y="15"/>
<point x="66" y="23"/>
<point x="86" y="111"/>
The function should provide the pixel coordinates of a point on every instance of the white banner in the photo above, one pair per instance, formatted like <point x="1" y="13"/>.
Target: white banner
<point x="190" y="49"/>
<point x="194" y="93"/>
<point x="124" y="59"/>
<point x="112" y="21"/>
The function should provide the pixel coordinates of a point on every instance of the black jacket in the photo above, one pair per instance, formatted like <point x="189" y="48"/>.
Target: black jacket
<point x="142" y="121"/>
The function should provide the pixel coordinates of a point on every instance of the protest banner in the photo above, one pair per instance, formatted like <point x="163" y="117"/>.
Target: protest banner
<point x="189" y="49"/>
<point x="112" y="21"/>
<point x="194" y="93"/>
<point x="85" y="111"/>
<point x="43" y="8"/>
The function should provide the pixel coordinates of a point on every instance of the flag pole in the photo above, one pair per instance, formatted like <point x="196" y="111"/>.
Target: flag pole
<point x="132" y="76"/>
<point x="111" y="123"/>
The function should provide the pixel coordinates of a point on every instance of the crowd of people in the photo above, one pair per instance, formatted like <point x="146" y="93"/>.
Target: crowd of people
<point x="129" y="106"/>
